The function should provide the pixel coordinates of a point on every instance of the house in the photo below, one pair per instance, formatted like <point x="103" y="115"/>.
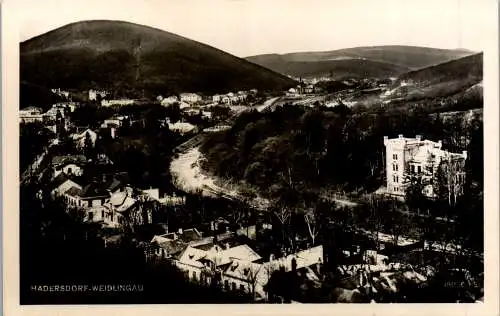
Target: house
<point x="70" y="106"/>
<point x="188" y="237"/>
<point x="52" y="113"/>
<point x="309" y="89"/>
<point x="182" y="127"/>
<point x="61" y="93"/>
<point x="92" y="196"/>
<point x="200" y="264"/>
<point x="81" y="139"/>
<point x="118" y="102"/>
<point x="172" y="200"/>
<point x="114" y="121"/>
<point x="226" y="99"/>
<point x="129" y="207"/>
<point x="190" y="97"/>
<point x="93" y="94"/>
<point x="217" y="98"/>
<point x="61" y="184"/>
<point x="239" y="266"/>
<point x="31" y="114"/>
<point x="70" y="165"/>
<point x="170" y="100"/>
<point x="421" y="158"/>
<point x="69" y="168"/>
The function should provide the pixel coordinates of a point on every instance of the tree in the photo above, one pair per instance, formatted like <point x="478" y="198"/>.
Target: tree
<point x="88" y="145"/>
<point x="313" y="224"/>
<point x="174" y="113"/>
<point x="250" y="273"/>
<point x="283" y="215"/>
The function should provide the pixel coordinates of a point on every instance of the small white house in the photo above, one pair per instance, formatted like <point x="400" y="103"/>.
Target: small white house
<point x="182" y="127"/>
<point x="191" y="97"/>
<point x="31" y="114"/>
<point x="216" y="98"/>
<point x="169" y="100"/>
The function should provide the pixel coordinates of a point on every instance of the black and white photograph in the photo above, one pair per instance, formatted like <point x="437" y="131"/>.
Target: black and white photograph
<point x="251" y="152"/>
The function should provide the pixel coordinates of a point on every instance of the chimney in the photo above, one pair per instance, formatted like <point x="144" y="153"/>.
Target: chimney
<point x="418" y="137"/>
<point x="440" y="143"/>
<point x="400" y="136"/>
<point x="464" y="153"/>
<point x="227" y="245"/>
<point x="179" y="231"/>
<point x="271" y="257"/>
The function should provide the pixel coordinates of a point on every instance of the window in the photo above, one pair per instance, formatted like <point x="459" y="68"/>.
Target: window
<point x="397" y="179"/>
<point x="419" y="169"/>
<point x="233" y="286"/>
<point x="91" y="216"/>
<point x="226" y="284"/>
<point x="396" y="167"/>
<point x="102" y="214"/>
<point x="395" y="156"/>
<point x="70" y="171"/>
<point x="412" y="168"/>
<point x="395" y="189"/>
<point x="242" y="287"/>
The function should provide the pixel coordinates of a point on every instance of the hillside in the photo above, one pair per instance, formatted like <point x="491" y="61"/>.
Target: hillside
<point x="129" y="58"/>
<point x="339" y="69"/>
<point x="399" y="57"/>
<point x="469" y="67"/>
<point x="441" y="80"/>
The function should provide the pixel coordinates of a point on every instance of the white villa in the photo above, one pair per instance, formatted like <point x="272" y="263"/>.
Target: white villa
<point x="190" y="97"/>
<point x="422" y="157"/>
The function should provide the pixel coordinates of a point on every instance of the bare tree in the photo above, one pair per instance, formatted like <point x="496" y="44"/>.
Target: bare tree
<point x="284" y="215"/>
<point x="312" y="225"/>
<point x="250" y="274"/>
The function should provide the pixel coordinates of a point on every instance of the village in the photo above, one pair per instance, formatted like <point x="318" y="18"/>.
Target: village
<point x="230" y="249"/>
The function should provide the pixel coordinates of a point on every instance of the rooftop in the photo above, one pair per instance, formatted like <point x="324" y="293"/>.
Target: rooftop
<point x="76" y="159"/>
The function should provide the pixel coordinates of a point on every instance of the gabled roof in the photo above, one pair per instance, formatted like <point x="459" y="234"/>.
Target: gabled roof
<point x="57" y="181"/>
<point x="191" y="256"/>
<point x="126" y="205"/>
<point x="172" y="247"/>
<point x="76" y="159"/>
<point x="94" y="190"/>
<point x="32" y="108"/>
<point x="241" y="252"/>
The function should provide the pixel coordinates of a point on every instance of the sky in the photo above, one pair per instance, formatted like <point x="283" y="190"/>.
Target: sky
<point x="252" y="27"/>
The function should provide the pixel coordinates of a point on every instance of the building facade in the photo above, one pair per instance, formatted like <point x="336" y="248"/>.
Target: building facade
<point x="421" y="158"/>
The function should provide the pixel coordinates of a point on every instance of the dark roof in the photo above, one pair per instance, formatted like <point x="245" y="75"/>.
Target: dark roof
<point x="57" y="181"/>
<point x="190" y="235"/>
<point x="172" y="247"/>
<point x="74" y="191"/>
<point x="76" y="159"/>
<point x="94" y="190"/>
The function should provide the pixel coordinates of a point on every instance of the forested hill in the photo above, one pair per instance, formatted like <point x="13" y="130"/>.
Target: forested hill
<point x="371" y="61"/>
<point x="313" y="149"/>
<point x="132" y="59"/>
